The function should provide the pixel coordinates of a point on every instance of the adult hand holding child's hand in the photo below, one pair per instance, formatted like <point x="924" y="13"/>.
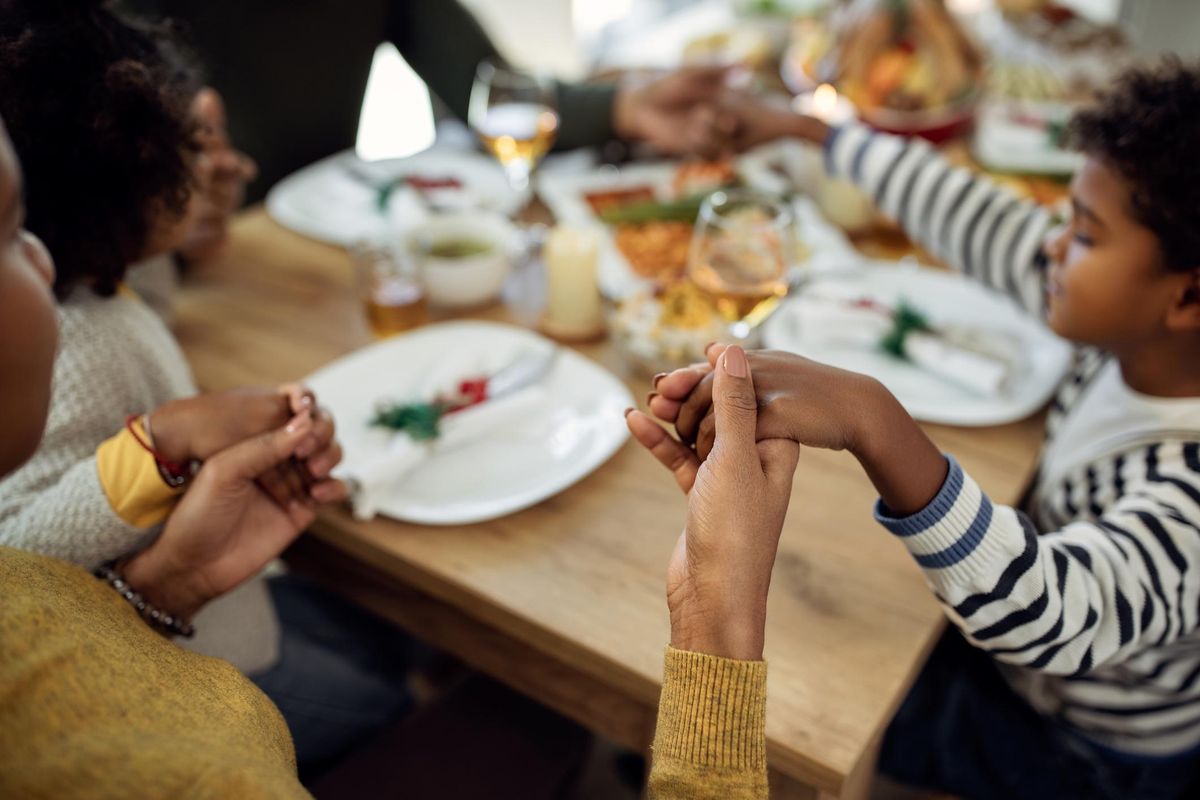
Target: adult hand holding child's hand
<point x="227" y="527"/>
<point x="200" y="427"/>
<point x="810" y="403"/>
<point x="720" y="570"/>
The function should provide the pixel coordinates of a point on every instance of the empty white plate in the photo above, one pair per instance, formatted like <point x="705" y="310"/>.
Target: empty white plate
<point x="574" y="423"/>
<point x="946" y="299"/>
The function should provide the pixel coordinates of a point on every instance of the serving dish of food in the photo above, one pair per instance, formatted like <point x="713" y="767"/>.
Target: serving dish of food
<point x="908" y="66"/>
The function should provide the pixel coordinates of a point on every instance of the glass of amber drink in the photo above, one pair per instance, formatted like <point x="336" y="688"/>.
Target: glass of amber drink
<point x="514" y="114"/>
<point x="392" y="294"/>
<point x="742" y="248"/>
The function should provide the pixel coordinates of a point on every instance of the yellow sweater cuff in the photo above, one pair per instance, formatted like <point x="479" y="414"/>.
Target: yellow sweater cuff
<point x="711" y="727"/>
<point x="131" y="481"/>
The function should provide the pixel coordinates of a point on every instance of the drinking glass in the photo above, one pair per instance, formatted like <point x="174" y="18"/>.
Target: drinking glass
<point x="741" y="249"/>
<point x="514" y="114"/>
<point x="392" y="294"/>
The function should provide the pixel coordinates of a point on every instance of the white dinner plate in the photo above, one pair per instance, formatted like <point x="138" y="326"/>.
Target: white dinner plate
<point x="334" y="200"/>
<point x="946" y="299"/>
<point x="575" y="424"/>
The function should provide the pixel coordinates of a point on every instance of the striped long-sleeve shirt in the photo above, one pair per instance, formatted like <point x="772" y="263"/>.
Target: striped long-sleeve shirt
<point x="1090" y="595"/>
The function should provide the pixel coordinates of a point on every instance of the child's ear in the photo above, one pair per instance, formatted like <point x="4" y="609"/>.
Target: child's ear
<point x="1184" y="313"/>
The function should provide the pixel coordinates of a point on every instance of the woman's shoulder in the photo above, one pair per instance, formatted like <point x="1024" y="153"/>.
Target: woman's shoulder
<point x="83" y="659"/>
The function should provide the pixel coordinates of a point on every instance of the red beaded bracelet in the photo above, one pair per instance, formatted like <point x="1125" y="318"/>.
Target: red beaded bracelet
<point x="174" y="473"/>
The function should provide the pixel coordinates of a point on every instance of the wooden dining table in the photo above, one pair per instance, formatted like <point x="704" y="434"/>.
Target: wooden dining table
<point x="565" y="601"/>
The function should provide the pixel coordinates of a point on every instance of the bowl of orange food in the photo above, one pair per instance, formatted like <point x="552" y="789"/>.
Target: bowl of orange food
<point x="906" y="65"/>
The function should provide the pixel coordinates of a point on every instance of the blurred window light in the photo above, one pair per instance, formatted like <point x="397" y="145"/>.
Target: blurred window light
<point x="396" y="118"/>
<point x="591" y="17"/>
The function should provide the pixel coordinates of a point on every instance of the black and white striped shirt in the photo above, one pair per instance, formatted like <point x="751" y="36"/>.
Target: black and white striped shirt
<point x="1091" y="595"/>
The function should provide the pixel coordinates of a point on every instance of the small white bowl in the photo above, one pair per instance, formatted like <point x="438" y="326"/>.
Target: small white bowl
<point x="471" y="280"/>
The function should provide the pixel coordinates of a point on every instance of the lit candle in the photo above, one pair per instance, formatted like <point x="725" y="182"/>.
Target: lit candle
<point x="573" y="310"/>
<point x="826" y="105"/>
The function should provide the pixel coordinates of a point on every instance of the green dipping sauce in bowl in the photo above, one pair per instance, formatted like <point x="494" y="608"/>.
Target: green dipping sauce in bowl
<point x="458" y="248"/>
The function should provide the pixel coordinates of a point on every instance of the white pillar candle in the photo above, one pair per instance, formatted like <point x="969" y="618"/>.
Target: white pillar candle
<point x="573" y="309"/>
<point x="842" y="203"/>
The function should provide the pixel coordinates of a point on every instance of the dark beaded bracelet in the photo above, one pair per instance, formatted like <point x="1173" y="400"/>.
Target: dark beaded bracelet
<point x="159" y="620"/>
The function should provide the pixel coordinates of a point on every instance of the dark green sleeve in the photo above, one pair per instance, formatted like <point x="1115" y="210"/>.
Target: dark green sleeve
<point x="292" y="72"/>
<point x="586" y="113"/>
<point x="444" y="44"/>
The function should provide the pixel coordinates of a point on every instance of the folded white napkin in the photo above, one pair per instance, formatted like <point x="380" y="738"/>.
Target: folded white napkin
<point x="979" y="361"/>
<point x="375" y="476"/>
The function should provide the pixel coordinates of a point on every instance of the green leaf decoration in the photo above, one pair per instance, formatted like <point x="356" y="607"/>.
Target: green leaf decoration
<point x="906" y="320"/>
<point x="418" y="420"/>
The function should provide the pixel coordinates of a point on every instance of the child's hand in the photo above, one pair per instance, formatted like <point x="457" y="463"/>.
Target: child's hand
<point x="226" y="528"/>
<point x="755" y="121"/>
<point x="810" y="403"/>
<point x="675" y="113"/>
<point x="720" y="571"/>
<point x="200" y="427"/>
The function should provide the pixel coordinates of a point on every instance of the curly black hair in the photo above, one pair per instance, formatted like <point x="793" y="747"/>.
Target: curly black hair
<point x="97" y="105"/>
<point x="1147" y="128"/>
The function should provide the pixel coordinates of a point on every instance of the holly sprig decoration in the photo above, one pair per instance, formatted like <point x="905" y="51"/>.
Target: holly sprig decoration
<point x="905" y="320"/>
<point x="422" y="421"/>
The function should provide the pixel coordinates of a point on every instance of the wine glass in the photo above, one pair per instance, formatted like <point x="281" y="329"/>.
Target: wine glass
<point x="514" y="115"/>
<point x="742" y="247"/>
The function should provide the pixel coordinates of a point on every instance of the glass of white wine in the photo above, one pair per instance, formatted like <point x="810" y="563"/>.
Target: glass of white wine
<point x="742" y="247"/>
<point x="515" y="116"/>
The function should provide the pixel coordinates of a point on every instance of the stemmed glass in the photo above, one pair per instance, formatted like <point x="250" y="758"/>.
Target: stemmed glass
<point x="515" y="116"/>
<point x="743" y="245"/>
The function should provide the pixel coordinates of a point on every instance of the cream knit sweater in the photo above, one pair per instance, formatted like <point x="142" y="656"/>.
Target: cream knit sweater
<point x="116" y="357"/>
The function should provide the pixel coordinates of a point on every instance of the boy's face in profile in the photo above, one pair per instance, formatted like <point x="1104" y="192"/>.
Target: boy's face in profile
<point x="1107" y="285"/>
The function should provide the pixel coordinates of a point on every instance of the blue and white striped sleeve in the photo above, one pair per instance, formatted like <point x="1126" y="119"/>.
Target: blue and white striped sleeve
<point x="979" y="228"/>
<point x="1061" y="602"/>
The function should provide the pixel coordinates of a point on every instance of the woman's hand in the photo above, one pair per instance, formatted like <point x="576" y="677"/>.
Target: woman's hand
<point x="720" y="571"/>
<point x="226" y="528"/>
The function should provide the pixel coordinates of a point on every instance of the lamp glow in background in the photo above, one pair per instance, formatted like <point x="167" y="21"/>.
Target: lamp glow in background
<point x="397" y="117"/>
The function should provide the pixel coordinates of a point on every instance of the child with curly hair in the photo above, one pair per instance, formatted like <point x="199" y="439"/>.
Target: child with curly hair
<point x="110" y="149"/>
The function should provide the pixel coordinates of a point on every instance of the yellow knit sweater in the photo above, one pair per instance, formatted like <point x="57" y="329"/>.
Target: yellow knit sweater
<point x="94" y="704"/>
<point x="711" y="739"/>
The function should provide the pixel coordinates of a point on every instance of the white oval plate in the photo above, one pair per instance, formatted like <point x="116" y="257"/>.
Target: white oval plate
<point x="334" y="200"/>
<point x="576" y="424"/>
<point x="945" y="298"/>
